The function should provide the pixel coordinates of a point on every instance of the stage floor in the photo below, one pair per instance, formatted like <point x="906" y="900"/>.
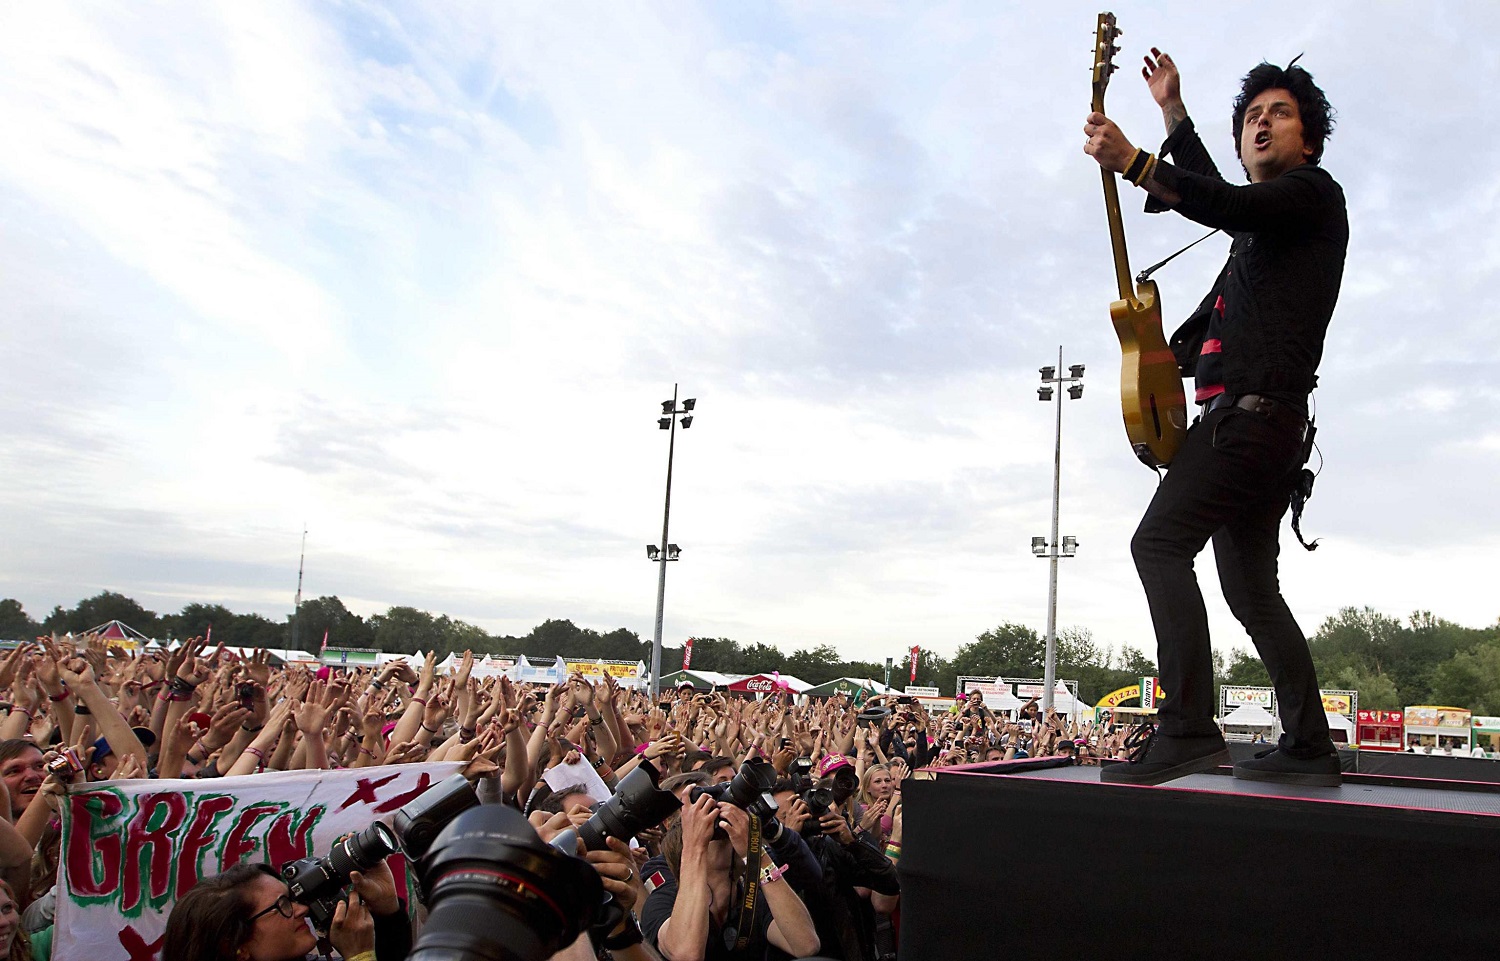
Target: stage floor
<point x="1410" y="794"/>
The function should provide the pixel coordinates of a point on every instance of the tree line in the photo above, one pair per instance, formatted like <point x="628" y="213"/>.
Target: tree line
<point x="1391" y="663"/>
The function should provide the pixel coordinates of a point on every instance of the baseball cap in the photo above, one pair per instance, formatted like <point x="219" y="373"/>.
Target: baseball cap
<point x="102" y="749"/>
<point x="832" y="763"/>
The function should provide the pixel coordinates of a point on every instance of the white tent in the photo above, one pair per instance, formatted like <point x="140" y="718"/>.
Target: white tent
<point x="1005" y="702"/>
<point x="1338" y="722"/>
<point x="1248" y="720"/>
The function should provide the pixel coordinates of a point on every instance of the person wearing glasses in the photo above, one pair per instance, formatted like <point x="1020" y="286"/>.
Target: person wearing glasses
<point x="247" y="914"/>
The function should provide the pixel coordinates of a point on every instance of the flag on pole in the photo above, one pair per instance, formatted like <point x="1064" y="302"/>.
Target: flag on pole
<point x="324" y="648"/>
<point x="208" y="637"/>
<point x="687" y="654"/>
<point x="914" y="653"/>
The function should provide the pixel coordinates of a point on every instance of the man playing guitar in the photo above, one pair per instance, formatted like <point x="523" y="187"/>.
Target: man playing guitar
<point x="1253" y="346"/>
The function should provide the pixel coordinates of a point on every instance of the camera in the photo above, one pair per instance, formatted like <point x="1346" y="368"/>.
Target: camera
<point x="419" y="822"/>
<point x="638" y="803"/>
<point x="319" y="882"/>
<point x="66" y="766"/>
<point x="801" y="774"/>
<point x="819" y="801"/>
<point x="496" y="892"/>
<point x="245" y="691"/>
<point x="750" y="791"/>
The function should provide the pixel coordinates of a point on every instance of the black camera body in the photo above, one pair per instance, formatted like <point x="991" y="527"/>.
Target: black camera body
<point x="750" y="791"/>
<point x="319" y="883"/>
<point x="638" y="803"/>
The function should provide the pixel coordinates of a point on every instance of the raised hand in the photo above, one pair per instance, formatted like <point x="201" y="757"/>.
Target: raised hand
<point x="1161" y="76"/>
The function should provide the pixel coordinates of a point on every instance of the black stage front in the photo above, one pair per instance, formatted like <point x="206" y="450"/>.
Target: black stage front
<point x="1022" y="860"/>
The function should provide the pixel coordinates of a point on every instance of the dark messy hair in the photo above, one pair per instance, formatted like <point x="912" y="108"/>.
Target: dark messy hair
<point x="1312" y="103"/>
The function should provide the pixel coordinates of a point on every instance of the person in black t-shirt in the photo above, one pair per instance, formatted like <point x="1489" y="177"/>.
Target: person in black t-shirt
<point x="1254" y="345"/>
<point x="701" y="911"/>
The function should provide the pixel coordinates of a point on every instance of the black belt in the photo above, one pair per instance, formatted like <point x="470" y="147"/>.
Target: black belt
<point x="1278" y="413"/>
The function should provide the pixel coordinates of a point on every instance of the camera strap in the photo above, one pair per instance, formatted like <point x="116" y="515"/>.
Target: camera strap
<point x="746" y="926"/>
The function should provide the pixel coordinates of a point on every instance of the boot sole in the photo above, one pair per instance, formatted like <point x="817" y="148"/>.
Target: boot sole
<point x="1289" y="777"/>
<point x="1196" y="766"/>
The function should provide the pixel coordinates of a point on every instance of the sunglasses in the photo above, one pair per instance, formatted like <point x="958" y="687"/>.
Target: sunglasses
<point x="283" y="906"/>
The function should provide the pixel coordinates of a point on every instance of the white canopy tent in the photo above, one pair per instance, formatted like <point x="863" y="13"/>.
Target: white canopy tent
<point x="1337" y="723"/>
<point x="1248" y="720"/>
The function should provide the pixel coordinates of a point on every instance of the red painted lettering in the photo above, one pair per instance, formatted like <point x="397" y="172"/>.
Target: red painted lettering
<point x="137" y="946"/>
<point x="199" y="838"/>
<point x="93" y="855"/>
<point x="364" y="791"/>
<point x="283" y="843"/>
<point x="157" y="817"/>
<point x="238" y="845"/>
<point x="424" y="781"/>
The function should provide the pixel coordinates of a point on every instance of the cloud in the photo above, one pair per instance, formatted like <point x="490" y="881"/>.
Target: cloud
<point x="420" y="275"/>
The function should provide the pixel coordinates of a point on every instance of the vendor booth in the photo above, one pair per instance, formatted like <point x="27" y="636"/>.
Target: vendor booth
<point x="1250" y="722"/>
<point x="1431" y="729"/>
<point x="1486" y="732"/>
<point x="1379" y="730"/>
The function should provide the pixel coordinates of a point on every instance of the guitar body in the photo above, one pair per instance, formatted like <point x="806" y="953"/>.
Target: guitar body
<point x="1151" y="394"/>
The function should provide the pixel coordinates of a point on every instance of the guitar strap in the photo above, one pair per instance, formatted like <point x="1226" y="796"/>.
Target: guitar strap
<point x="1302" y="493"/>
<point x="1145" y="275"/>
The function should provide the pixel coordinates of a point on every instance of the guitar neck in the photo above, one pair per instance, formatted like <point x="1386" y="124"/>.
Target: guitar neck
<point x="1116" y="224"/>
<point x="1117" y="234"/>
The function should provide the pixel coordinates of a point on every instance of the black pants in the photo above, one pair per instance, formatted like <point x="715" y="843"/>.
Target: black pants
<point x="1231" y="481"/>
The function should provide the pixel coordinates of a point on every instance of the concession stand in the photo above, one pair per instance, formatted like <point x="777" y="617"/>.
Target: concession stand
<point x="1432" y="729"/>
<point x="1340" y="707"/>
<point x="1379" y="730"/>
<point x="1487" y="734"/>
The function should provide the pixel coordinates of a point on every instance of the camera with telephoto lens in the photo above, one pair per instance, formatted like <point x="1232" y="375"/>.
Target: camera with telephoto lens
<point x="819" y="801"/>
<point x="637" y="804"/>
<point x="496" y="892"/>
<point x="750" y="791"/>
<point x="319" y="883"/>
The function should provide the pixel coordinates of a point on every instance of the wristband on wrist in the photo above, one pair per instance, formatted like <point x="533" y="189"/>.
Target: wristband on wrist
<point x="419" y="700"/>
<point x="251" y="730"/>
<point x="429" y="730"/>
<point x="771" y="873"/>
<point x="55" y="698"/>
<point x="254" y="751"/>
<point x="17" y="707"/>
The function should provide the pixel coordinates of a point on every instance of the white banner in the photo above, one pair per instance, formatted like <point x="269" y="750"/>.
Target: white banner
<point x="130" y="849"/>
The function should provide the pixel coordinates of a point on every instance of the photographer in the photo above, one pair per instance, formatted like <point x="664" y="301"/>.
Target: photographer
<point x="850" y="866"/>
<point x="247" y="914"/>
<point x="702" y="913"/>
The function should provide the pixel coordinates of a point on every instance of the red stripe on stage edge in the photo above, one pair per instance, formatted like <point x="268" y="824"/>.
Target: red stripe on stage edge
<point x="1205" y="394"/>
<point x="1212" y="345"/>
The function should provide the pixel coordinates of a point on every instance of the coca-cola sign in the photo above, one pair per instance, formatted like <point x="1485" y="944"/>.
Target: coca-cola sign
<point x="760" y="685"/>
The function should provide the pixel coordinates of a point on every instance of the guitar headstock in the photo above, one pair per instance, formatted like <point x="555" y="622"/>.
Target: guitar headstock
<point x="1104" y="55"/>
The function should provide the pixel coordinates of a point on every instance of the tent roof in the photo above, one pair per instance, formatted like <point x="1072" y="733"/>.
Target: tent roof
<point x="117" y="631"/>
<point x="847" y="685"/>
<point x="702" y="679"/>
<point x="794" y="684"/>
<point x="1249" y="715"/>
<point x="1341" y="722"/>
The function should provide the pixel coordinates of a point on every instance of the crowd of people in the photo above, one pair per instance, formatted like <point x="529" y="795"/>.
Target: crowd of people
<point x="825" y="884"/>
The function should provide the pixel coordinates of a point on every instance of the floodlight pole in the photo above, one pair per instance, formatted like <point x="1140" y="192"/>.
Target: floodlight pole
<point x="1049" y="671"/>
<point x="663" y="556"/>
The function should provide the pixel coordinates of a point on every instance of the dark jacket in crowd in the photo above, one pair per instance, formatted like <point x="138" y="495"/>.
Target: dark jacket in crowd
<point x="845" y="920"/>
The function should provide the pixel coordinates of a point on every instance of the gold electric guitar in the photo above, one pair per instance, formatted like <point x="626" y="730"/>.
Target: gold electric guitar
<point x="1150" y="385"/>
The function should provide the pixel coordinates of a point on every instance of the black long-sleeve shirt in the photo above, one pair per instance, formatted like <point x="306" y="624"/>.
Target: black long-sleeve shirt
<point x="1273" y="300"/>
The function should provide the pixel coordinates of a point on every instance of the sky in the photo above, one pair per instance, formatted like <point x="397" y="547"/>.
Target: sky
<point x="418" y="276"/>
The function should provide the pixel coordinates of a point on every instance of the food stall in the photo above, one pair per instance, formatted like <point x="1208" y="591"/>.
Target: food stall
<point x="1486" y="735"/>
<point x="1433" y="729"/>
<point x="1379" y="730"/>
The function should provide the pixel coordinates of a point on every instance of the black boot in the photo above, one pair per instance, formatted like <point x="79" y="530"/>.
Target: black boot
<point x="1156" y="757"/>
<point x="1277" y="765"/>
